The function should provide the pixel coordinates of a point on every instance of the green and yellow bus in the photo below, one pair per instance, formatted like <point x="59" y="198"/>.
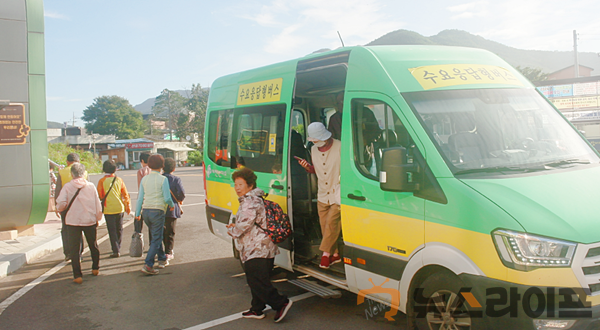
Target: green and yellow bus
<point x="472" y="196"/>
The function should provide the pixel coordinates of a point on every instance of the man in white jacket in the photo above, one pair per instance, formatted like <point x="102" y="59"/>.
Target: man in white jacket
<point x="79" y="199"/>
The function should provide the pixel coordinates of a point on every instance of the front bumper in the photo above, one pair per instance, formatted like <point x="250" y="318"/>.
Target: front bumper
<point x="504" y="305"/>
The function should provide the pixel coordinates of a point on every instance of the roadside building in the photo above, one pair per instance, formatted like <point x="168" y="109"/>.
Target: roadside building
<point x="77" y="138"/>
<point x="579" y="101"/>
<point x="126" y="153"/>
<point x="176" y="150"/>
<point x="569" y="72"/>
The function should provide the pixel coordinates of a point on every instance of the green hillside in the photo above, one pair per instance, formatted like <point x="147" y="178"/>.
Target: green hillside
<point x="546" y="60"/>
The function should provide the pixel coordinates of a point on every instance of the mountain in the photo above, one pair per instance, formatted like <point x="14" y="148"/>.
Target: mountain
<point x="53" y="124"/>
<point x="146" y="107"/>
<point x="547" y="61"/>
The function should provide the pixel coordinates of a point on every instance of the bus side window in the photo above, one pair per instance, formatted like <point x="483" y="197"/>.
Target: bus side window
<point x="257" y="139"/>
<point x="375" y="126"/>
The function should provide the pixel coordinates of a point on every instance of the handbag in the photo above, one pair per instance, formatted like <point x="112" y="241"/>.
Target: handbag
<point x="106" y="195"/>
<point x="69" y="206"/>
<point x="137" y="245"/>
<point x="178" y="201"/>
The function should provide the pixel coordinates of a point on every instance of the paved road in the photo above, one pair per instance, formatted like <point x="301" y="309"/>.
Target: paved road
<point x="203" y="284"/>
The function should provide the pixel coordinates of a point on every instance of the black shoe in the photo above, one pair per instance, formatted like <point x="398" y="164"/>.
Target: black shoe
<point x="67" y="259"/>
<point x="115" y="255"/>
<point x="282" y="311"/>
<point x="253" y="315"/>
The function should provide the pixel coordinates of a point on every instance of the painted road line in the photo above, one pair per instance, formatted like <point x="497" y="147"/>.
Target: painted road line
<point x="192" y="204"/>
<point x="238" y="316"/>
<point x="8" y="301"/>
<point x="186" y="195"/>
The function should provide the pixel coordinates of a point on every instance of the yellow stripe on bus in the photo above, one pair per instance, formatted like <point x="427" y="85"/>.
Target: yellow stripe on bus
<point x="223" y="195"/>
<point x="378" y="231"/>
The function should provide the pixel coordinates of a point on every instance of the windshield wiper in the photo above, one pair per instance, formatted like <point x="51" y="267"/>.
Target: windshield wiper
<point x="567" y="162"/>
<point x="500" y="169"/>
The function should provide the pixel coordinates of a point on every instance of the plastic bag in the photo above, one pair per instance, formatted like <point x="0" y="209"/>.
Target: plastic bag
<point x="137" y="245"/>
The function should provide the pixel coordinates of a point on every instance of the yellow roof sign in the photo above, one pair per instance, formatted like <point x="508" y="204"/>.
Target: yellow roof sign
<point x="436" y="76"/>
<point x="260" y="92"/>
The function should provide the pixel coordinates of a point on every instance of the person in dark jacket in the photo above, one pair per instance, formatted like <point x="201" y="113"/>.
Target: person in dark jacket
<point x="171" y="216"/>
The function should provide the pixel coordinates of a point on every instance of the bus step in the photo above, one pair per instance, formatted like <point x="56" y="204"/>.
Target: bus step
<point x="317" y="289"/>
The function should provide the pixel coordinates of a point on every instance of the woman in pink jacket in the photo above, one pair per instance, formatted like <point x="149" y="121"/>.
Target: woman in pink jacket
<point x="257" y="251"/>
<point x="79" y="199"/>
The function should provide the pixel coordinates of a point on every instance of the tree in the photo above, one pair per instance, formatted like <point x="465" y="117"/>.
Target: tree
<point x="532" y="74"/>
<point x="170" y="105"/>
<point x="113" y="115"/>
<point x="196" y="104"/>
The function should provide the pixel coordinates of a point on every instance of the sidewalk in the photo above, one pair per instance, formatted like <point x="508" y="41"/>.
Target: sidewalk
<point x="16" y="253"/>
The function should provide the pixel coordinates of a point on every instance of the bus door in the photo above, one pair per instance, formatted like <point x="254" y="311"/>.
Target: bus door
<point x="381" y="228"/>
<point x="260" y="144"/>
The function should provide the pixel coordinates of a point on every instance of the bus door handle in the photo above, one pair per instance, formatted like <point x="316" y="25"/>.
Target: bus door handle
<point x="358" y="198"/>
<point x="277" y="186"/>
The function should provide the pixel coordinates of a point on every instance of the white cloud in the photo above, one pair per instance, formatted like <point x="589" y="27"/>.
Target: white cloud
<point x="469" y="10"/>
<point x="539" y="24"/>
<point x="467" y="6"/>
<point x="300" y="23"/>
<point x="52" y="14"/>
<point x="286" y="41"/>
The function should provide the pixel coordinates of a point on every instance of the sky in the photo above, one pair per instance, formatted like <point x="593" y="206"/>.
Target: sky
<point x="137" y="48"/>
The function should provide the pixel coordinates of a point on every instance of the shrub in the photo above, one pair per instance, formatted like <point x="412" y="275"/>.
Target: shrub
<point x="195" y="157"/>
<point x="58" y="152"/>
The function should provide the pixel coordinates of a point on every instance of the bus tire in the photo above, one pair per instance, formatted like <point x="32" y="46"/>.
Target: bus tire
<point x="439" y="306"/>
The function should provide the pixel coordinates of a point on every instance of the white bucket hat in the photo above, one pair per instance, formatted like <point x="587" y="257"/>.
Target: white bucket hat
<point x="318" y="132"/>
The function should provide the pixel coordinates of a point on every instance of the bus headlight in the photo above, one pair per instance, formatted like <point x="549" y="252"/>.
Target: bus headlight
<point x="525" y="251"/>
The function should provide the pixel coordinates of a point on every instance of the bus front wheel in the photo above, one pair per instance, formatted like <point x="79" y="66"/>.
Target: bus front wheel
<point x="436" y="305"/>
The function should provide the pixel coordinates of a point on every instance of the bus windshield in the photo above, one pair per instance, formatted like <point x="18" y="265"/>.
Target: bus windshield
<point x="499" y="130"/>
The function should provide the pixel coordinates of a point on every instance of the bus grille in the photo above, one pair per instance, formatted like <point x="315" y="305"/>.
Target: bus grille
<point x="586" y="266"/>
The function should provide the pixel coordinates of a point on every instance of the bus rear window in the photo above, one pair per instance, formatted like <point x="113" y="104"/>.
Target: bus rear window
<point x="219" y="131"/>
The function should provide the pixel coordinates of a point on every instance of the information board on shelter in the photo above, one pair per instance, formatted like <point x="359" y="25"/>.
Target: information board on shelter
<point x="13" y="129"/>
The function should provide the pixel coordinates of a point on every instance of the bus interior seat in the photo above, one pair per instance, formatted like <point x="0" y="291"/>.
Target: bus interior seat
<point x="465" y="144"/>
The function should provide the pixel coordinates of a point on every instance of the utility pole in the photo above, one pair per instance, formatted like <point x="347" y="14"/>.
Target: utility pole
<point x="576" y="55"/>
<point x="170" y="121"/>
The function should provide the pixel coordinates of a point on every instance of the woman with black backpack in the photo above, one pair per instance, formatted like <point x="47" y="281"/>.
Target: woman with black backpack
<point x="257" y="250"/>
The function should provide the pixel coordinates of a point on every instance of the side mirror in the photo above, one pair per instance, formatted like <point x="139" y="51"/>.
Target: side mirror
<point x="396" y="173"/>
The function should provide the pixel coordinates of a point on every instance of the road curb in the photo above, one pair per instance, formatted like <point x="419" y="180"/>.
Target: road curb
<point x="12" y="262"/>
